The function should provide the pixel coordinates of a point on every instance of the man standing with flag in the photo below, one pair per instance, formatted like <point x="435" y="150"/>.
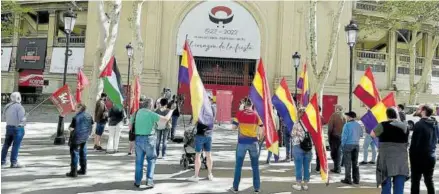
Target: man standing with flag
<point x="247" y="122"/>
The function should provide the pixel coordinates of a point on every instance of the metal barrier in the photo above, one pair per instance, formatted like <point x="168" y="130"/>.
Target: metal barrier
<point x="74" y="40"/>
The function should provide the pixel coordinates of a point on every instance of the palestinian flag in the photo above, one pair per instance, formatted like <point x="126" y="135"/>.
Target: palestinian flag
<point x="112" y="83"/>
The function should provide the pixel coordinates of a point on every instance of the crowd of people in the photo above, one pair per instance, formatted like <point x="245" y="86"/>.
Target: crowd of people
<point x="399" y="159"/>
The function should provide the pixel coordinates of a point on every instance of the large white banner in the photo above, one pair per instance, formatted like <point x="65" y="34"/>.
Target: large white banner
<point x="6" y="58"/>
<point x="222" y="29"/>
<point x="76" y="60"/>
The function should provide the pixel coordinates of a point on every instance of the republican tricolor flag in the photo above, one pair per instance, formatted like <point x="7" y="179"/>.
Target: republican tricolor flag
<point x="188" y="74"/>
<point x="367" y="91"/>
<point x="285" y="105"/>
<point x="261" y="98"/>
<point x="312" y="122"/>
<point x="303" y="84"/>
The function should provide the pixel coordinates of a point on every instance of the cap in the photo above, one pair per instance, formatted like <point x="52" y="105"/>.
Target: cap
<point x="339" y="107"/>
<point x="351" y="114"/>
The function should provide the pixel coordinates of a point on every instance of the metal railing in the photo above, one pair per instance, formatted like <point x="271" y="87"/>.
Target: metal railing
<point x="367" y="5"/>
<point x="372" y="55"/>
<point x="74" y="40"/>
<point x="7" y="40"/>
<point x="404" y="60"/>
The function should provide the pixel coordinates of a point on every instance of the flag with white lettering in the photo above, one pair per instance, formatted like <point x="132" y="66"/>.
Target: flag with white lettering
<point x="63" y="100"/>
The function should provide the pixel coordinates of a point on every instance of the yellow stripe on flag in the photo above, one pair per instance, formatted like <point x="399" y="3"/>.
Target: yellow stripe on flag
<point x="258" y="84"/>
<point x="311" y="112"/>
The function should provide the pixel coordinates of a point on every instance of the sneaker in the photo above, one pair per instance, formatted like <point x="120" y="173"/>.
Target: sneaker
<point x="16" y="165"/>
<point x="317" y="170"/>
<point x="335" y="171"/>
<point x="305" y="187"/>
<point x="233" y="190"/>
<point x="136" y="185"/>
<point x="344" y="181"/>
<point x="82" y="172"/>
<point x="95" y="147"/>
<point x="99" y="148"/>
<point x="159" y="157"/>
<point x="4" y="165"/>
<point x="210" y="177"/>
<point x="357" y="182"/>
<point x="371" y="162"/>
<point x="363" y="163"/>
<point x="149" y="186"/>
<point x="193" y="179"/>
<point x="129" y="154"/>
<point x="297" y="187"/>
<point x="256" y="191"/>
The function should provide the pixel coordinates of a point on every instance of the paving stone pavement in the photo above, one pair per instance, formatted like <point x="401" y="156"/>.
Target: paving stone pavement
<point x="46" y="165"/>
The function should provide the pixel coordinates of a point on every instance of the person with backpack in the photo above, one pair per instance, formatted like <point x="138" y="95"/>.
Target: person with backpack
<point x="116" y="116"/>
<point x="162" y="129"/>
<point x="302" y="152"/>
<point x="350" y="143"/>
<point x="15" y="121"/>
<point x="423" y="150"/>
<point x="80" y="129"/>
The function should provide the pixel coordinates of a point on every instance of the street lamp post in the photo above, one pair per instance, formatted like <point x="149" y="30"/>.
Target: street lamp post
<point x="351" y="38"/>
<point x="296" y="63"/>
<point x="130" y="54"/>
<point x="69" y="24"/>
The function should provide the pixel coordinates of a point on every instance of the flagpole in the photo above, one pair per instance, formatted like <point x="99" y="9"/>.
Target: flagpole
<point x="35" y="107"/>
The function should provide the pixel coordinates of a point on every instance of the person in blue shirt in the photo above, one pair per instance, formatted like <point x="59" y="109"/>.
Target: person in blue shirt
<point x="350" y="143"/>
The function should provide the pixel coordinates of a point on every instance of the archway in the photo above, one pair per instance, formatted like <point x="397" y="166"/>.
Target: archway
<point x="226" y="42"/>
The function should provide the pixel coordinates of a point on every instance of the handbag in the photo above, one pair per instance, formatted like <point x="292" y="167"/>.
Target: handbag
<point x="132" y="134"/>
<point x="306" y="143"/>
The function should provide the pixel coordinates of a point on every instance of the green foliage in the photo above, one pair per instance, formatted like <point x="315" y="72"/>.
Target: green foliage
<point x="11" y="9"/>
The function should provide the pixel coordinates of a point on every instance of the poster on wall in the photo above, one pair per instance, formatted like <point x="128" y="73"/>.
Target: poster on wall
<point x="32" y="78"/>
<point x="6" y="58"/>
<point x="31" y="53"/>
<point x="76" y="60"/>
<point x="222" y="29"/>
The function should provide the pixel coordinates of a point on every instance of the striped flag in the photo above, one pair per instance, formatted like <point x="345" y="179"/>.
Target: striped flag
<point x="367" y="91"/>
<point x="377" y="114"/>
<point x="112" y="83"/>
<point x="303" y="84"/>
<point x="261" y="98"/>
<point x="135" y="98"/>
<point x="188" y="74"/>
<point x="285" y="105"/>
<point x="311" y="121"/>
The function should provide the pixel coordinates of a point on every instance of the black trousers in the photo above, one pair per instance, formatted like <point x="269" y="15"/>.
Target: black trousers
<point x="335" y="144"/>
<point x="422" y="166"/>
<point x="350" y="157"/>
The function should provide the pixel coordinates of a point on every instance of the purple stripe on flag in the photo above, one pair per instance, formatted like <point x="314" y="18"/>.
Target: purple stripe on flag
<point x="305" y="99"/>
<point x="370" y="123"/>
<point x="183" y="75"/>
<point x="257" y="102"/>
<point x="300" y="83"/>
<point x="282" y="110"/>
<point x="206" y="112"/>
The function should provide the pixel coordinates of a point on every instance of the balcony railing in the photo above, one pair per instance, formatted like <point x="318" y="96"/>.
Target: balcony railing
<point x="435" y="62"/>
<point x="404" y="60"/>
<point x="367" y="5"/>
<point x="74" y="41"/>
<point x="7" y="40"/>
<point x="369" y="57"/>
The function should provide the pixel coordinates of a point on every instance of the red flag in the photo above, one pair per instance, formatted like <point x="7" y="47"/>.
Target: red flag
<point x="81" y="82"/>
<point x="311" y="121"/>
<point x="63" y="100"/>
<point x="136" y="96"/>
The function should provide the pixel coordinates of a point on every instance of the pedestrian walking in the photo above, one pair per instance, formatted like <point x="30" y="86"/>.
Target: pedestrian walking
<point x="174" y="104"/>
<point x="142" y="125"/>
<point x="350" y="142"/>
<point x="392" y="163"/>
<point x="302" y="151"/>
<point x="335" y="129"/>
<point x="423" y="150"/>
<point x="101" y="118"/>
<point x="116" y="116"/>
<point x="368" y="141"/>
<point x="80" y="129"/>
<point x="401" y="113"/>
<point x="14" y="114"/>
<point x="247" y="122"/>
<point x="162" y="129"/>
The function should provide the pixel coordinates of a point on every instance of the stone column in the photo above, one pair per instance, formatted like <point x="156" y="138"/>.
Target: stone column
<point x="391" y="66"/>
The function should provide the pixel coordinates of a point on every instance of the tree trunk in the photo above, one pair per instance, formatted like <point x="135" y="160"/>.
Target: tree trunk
<point x="110" y="25"/>
<point x="412" y="66"/>
<point x="426" y="71"/>
<point x="138" y="45"/>
<point x="313" y="36"/>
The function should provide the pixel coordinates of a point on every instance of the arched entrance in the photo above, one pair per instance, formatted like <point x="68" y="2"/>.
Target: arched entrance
<point x="225" y="40"/>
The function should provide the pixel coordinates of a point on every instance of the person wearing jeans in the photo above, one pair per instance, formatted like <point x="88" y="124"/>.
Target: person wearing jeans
<point x="368" y="141"/>
<point x="302" y="158"/>
<point x="423" y="150"/>
<point x="143" y="123"/>
<point x="350" y="140"/>
<point x="162" y="128"/>
<point x="247" y="122"/>
<point x="15" y="120"/>
<point x="175" y="104"/>
<point x="392" y="164"/>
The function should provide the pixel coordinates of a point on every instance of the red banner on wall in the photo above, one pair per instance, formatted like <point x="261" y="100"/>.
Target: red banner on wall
<point x="63" y="100"/>
<point x="32" y="78"/>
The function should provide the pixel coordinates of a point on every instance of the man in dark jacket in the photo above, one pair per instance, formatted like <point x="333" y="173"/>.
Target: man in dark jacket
<point x="422" y="150"/>
<point x="401" y="112"/>
<point x="80" y="129"/>
<point x="116" y="116"/>
<point x="335" y="129"/>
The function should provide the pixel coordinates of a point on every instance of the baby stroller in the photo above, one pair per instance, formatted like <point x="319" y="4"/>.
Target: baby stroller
<point x="188" y="158"/>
